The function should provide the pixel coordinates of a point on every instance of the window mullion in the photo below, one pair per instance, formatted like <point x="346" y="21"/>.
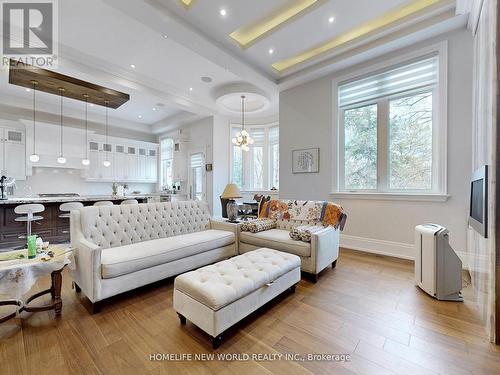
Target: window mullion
<point x="383" y="145"/>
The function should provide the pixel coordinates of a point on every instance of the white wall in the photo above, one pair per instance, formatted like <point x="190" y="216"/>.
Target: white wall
<point x="381" y="225"/>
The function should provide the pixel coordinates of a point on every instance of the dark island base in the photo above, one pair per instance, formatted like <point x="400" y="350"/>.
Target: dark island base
<point x="52" y="228"/>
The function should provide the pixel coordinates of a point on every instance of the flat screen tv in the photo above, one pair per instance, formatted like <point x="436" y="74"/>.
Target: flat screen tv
<point x="478" y="213"/>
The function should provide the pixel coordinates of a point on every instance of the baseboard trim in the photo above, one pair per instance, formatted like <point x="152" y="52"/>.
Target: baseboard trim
<point x="375" y="246"/>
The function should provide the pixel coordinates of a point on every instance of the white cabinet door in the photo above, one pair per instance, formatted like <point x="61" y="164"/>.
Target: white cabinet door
<point x="120" y="170"/>
<point x="93" y="171"/>
<point x="142" y="173"/>
<point x="133" y="167"/>
<point x="2" y="154"/>
<point x="151" y="166"/>
<point x="14" y="154"/>
<point x="106" y="173"/>
<point x="15" y="161"/>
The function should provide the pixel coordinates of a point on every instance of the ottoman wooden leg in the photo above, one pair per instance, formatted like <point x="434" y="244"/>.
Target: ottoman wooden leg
<point x="334" y="264"/>
<point x="77" y="288"/>
<point x="182" y="318"/>
<point x="292" y="288"/>
<point x="216" y="341"/>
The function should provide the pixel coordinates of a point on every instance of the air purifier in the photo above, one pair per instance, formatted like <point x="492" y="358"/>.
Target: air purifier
<point x="438" y="269"/>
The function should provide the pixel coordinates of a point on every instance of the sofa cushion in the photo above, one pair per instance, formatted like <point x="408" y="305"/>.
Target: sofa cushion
<point x="225" y="282"/>
<point x="278" y="239"/>
<point x="126" y="259"/>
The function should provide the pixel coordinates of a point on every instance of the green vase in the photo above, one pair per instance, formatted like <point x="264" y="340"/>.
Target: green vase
<point x="31" y="247"/>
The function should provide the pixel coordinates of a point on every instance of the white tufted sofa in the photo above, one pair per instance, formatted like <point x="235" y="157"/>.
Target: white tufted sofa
<point x="315" y="256"/>
<point x="120" y="248"/>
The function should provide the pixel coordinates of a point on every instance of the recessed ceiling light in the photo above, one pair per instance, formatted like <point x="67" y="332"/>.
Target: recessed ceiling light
<point x="331" y="19"/>
<point x="223" y="12"/>
<point x="132" y="66"/>
<point x="165" y="36"/>
<point x="91" y="104"/>
<point x="140" y="116"/>
<point x="154" y="109"/>
<point x="190" y="89"/>
<point x="271" y="51"/>
<point x="206" y="79"/>
<point x="28" y="90"/>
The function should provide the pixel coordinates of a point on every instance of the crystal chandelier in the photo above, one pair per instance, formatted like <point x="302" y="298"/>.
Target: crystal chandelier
<point x="243" y="138"/>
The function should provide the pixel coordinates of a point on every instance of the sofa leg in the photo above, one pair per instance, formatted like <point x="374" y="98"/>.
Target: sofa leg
<point x="182" y="318"/>
<point x="292" y="288"/>
<point x="315" y="278"/>
<point x="96" y="307"/>
<point x="216" y="341"/>
<point x="77" y="288"/>
<point x="334" y="264"/>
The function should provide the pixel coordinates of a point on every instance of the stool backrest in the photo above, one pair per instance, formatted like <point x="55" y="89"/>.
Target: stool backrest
<point x="130" y="201"/>
<point x="103" y="203"/>
<point x="31" y="208"/>
<point x="70" y="206"/>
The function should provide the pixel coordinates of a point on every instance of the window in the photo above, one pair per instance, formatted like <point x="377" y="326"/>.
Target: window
<point x="388" y="132"/>
<point x="167" y="162"/>
<point x="257" y="169"/>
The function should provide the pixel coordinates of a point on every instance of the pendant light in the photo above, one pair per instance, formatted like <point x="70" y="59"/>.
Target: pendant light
<point x="86" y="161"/>
<point x="106" y="162"/>
<point x="34" y="157"/>
<point x="61" y="159"/>
<point x="243" y="138"/>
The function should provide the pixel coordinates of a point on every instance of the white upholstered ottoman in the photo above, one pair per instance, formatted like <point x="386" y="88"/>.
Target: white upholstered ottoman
<point x="216" y="297"/>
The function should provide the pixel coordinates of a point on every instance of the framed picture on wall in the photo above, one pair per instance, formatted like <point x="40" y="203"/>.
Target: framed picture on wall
<point x="305" y="160"/>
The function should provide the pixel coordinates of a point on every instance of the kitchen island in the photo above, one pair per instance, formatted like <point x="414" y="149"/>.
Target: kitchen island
<point x="52" y="228"/>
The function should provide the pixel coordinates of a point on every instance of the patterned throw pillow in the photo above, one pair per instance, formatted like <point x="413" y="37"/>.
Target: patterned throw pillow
<point x="304" y="232"/>
<point x="258" y="225"/>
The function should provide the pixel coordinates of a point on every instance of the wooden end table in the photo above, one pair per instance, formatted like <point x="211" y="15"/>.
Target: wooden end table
<point x="54" y="290"/>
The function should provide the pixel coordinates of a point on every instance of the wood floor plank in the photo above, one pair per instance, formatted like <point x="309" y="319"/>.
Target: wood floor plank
<point x="368" y="307"/>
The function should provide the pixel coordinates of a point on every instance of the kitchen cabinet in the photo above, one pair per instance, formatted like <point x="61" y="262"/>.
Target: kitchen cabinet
<point x="13" y="153"/>
<point x="131" y="161"/>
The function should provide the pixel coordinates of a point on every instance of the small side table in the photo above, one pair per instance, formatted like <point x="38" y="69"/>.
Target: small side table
<point x="20" y="275"/>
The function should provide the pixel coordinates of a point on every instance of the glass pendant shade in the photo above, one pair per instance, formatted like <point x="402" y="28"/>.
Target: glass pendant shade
<point x="243" y="139"/>
<point x="34" y="158"/>
<point x="61" y="159"/>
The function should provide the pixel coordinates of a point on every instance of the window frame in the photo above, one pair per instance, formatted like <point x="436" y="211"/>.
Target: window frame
<point x="438" y="192"/>
<point x="160" y="157"/>
<point x="246" y="158"/>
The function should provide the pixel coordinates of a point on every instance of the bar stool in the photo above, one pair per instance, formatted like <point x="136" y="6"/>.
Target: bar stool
<point x="103" y="203"/>
<point x="67" y="208"/>
<point x="129" y="201"/>
<point x="30" y="210"/>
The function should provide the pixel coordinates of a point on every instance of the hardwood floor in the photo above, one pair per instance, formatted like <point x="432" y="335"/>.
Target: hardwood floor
<point x="367" y="307"/>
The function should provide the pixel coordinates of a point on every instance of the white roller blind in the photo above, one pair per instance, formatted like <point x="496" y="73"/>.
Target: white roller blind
<point x="274" y="134"/>
<point x="258" y="135"/>
<point x="196" y="160"/>
<point x="423" y="73"/>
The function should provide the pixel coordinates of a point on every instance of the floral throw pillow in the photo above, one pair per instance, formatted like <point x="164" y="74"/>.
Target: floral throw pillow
<point x="258" y="225"/>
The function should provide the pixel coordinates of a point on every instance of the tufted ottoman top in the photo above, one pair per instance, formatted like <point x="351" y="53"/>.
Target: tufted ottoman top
<point x="222" y="283"/>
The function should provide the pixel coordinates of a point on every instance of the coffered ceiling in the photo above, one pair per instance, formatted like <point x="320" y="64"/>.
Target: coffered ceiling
<point x="174" y="56"/>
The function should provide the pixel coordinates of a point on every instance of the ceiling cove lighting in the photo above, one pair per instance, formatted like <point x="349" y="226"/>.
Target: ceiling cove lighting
<point x="242" y="138"/>
<point x="106" y="162"/>
<point x="86" y="161"/>
<point x="34" y="157"/>
<point x="364" y="30"/>
<point x="61" y="159"/>
<point x="247" y="35"/>
<point x="187" y="3"/>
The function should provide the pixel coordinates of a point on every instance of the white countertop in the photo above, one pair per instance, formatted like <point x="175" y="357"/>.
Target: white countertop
<point x="82" y="198"/>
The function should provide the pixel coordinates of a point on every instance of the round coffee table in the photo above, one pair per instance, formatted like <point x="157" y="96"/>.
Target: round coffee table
<point x="19" y="274"/>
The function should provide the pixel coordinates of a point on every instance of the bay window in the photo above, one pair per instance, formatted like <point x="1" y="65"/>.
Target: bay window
<point x="258" y="168"/>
